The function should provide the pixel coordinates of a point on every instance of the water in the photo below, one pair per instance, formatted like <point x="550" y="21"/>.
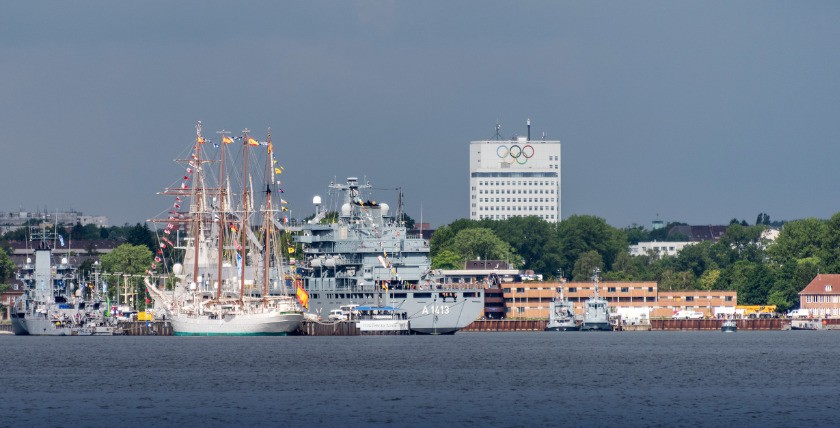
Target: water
<point x="469" y="379"/>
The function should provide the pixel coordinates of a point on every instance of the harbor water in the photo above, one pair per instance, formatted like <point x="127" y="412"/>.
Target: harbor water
<point x="522" y="379"/>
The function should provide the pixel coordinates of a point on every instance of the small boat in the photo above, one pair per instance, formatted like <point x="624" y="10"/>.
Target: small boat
<point x="805" y="325"/>
<point x="561" y="315"/>
<point x="729" y="326"/>
<point x="595" y="316"/>
<point x="382" y="320"/>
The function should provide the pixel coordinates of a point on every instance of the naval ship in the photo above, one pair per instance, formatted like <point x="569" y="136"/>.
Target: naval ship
<point x="561" y="314"/>
<point x="366" y="257"/>
<point x="595" y="312"/>
<point x="51" y="304"/>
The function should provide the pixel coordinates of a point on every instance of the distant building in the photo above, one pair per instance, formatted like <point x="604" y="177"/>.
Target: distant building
<point x="514" y="178"/>
<point x="13" y="220"/>
<point x="822" y="296"/>
<point x="78" y="251"/>
<point x="657" y="248"/>
<point x="698" y="233"/>
<point x="530" y="300"/>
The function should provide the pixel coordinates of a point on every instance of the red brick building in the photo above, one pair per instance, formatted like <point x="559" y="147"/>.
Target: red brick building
<point x="822" y="296"/>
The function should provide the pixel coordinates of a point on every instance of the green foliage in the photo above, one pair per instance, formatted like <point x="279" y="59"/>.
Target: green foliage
<point x="128" y="259"/>
<point x="581" y="233"/>
<point x="447" y="259"/>
<point x="7" y="267"/>
<point x="761" y="272"/>
<point x="586" y="264"/>
<point x="483" y="244"/>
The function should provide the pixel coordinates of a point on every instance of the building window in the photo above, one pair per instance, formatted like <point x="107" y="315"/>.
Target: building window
<point x="625" y="289"/>
<point x="610" y="289"/>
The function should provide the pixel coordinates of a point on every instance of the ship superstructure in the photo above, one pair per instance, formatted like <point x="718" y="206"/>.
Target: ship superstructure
<point x="54" y="301"/>
<point x="366" y="257"/>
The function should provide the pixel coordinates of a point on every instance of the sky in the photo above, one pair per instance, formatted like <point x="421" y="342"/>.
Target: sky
<point x="690" y="111"/>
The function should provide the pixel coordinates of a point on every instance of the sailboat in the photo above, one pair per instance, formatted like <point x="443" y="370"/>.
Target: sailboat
<point x="229" y="281"/>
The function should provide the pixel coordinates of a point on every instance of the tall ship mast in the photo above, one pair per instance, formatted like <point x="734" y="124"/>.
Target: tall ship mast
<point x="365" y="256"/>
<point x="222" y="259"/>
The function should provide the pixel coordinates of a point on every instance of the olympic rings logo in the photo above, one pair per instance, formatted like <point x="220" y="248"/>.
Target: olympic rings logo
<point x="515" y="153"/>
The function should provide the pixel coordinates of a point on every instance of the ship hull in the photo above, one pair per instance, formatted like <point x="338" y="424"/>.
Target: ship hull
<point x="18" y="326"/>
<point x="44" y="327"/>
<point x="427" y="313"/>
<point x="596" y="326"/>
<point x="270" y="324"/>
<point x="569" y="327"/>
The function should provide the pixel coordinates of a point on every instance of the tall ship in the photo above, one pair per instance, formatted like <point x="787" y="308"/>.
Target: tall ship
<point x="561" y="314"/>
<point x="595" y="310"/>
<point x="365" y="256"/>
<point x="54" y="302"/>
<point x="229" y="276"/>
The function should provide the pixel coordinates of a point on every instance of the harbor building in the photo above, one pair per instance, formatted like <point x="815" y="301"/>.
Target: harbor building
<point x="13" y="220"/>
<point x="519" y="177"/>
<point x="821" y="297"/>
<point x="531" y="299"/>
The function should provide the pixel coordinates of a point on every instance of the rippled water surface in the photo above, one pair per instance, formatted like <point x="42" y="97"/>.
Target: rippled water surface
<point x="468" y="379"/>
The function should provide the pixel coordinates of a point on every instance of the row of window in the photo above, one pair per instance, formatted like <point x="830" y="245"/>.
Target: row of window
<point x="522" y="174"/>
<point x="517" y="183"/>
<point x="516" y="191"/>
<point x="822" y="299"/>
<point x="507" y="216"/>
<point x="510" y="208"/>
<point x="515" y="200"/>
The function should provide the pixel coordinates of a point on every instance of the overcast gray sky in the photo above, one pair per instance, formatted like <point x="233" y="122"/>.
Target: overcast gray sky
<point x="695" y="111"/>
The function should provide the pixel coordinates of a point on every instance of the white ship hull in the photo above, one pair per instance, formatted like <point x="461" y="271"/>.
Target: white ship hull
<point x="260" y="324"/>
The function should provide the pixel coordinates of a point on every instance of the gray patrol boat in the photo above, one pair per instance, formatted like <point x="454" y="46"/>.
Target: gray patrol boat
<point x="54" y="303"/>
<point x="366" y="257"/>
<point x="561" y="314"/>
<point x="595" y="315"/>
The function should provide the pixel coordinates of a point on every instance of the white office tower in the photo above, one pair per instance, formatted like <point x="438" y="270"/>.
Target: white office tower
<point x="515" y="178"/>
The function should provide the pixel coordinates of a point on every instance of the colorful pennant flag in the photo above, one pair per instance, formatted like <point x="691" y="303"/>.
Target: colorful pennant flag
<point x="303" y="297"/>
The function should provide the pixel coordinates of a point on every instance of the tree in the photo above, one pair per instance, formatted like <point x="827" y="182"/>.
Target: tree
<point x="127" y="259"/>
<point x="801" y="239"/>
<point x="409" y="222"/>
<point x="586" y="264"/>
<point x="7" y="267"/>
<point x="481" y="243"/>
<point x="636" y="233"/>
<point x="140" y="234"/>
<point x="447" y="259"/>
<point x="581" y="233"/>
<point x="533" y="239"/>
<point x="444" y="235"/>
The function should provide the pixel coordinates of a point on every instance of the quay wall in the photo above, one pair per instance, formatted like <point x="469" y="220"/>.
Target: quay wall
<point x="715" y="324"/>
<point x="506" y="325"/>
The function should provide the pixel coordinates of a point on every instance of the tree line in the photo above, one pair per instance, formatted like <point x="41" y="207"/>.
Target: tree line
<point x="743" y="259"/>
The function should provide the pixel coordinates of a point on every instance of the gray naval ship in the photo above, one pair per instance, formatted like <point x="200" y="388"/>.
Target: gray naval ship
<point x="595" y="315"/>
<point x="561" y="314"/>
<point x="366" y="257"/>
<point x="53" y="303"/>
